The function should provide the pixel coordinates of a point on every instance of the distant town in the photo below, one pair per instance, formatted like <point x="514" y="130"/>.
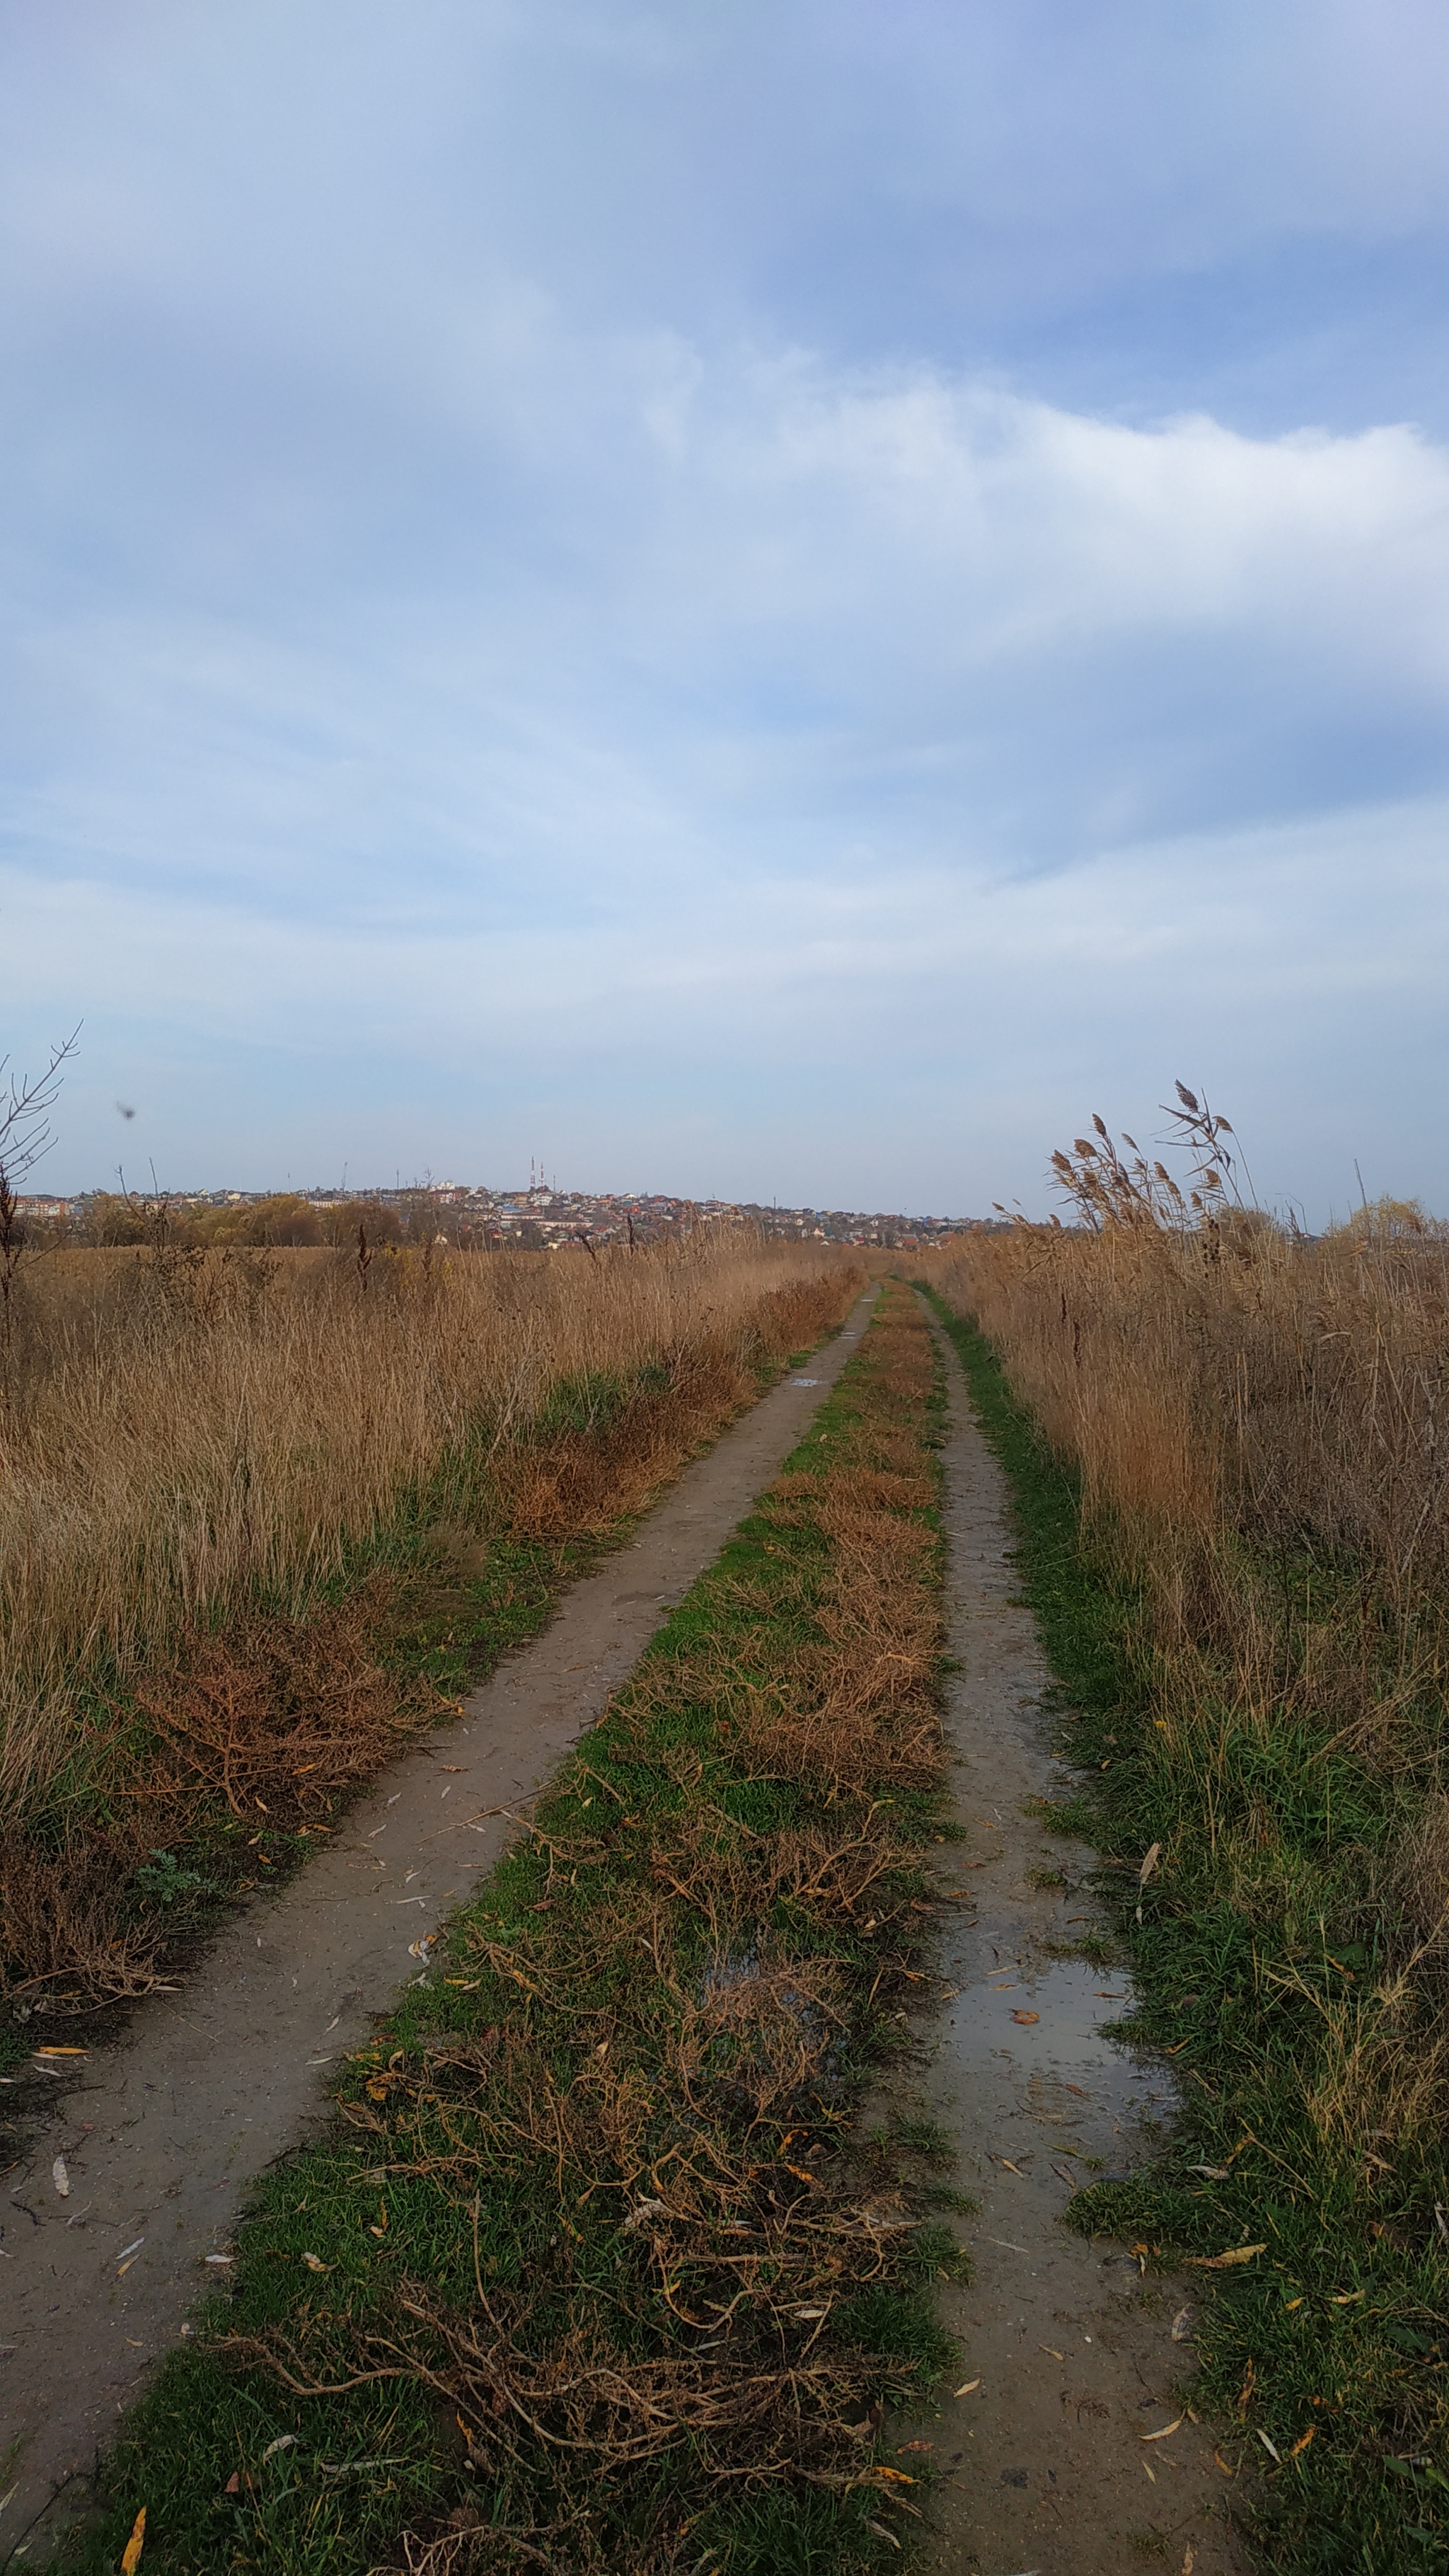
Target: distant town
<point x="536" y="1218"/>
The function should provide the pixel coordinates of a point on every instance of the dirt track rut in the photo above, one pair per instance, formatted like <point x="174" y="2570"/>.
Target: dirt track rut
<point x="1069" y="2353"/>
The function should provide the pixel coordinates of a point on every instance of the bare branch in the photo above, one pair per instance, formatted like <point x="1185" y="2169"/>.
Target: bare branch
<point x="25" y="1106"/>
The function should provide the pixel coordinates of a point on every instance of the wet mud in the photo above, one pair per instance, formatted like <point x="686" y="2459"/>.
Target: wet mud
<point x="1074" y="2359"/>
<point x="160" y="2137"/>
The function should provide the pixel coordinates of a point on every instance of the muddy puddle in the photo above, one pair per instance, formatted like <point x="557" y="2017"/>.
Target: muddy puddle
<point x="1107" y="2094"/>
<point x="1072" y="2358"/>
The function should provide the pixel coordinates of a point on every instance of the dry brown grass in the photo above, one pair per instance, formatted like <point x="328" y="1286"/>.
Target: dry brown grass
<point x="200" y="1452"/>
<point x="186" y="1436"/>
<point x="1258" y="1422"/>
<point x="300" y="1708"/>
<point x="1237" y="1382"/>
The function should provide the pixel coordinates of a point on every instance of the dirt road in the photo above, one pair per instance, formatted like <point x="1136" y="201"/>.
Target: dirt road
<point x="160" y="2137"/>
<point x="1070" y="2360"/>
<point x="1070" y="2363"/>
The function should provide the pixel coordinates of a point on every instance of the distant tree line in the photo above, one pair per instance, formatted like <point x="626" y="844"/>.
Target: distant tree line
<point x="120" y="1217"/>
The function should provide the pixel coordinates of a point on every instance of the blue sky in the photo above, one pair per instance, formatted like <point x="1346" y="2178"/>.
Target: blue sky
<point x="781" y="600"/>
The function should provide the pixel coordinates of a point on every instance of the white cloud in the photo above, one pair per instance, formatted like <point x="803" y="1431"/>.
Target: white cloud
<point x="1272" y="964"/>
<point x="964" y="622"/>
<point x="464" y="629"/>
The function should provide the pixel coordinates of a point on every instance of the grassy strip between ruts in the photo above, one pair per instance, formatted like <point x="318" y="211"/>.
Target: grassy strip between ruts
<point x="1324" y="2333"/>
<point x="589" y="2273"/>
<point x="153" y="1825"/>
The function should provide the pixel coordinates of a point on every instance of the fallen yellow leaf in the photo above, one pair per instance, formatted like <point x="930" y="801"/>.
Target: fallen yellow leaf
<point x="965" y="2391"/>
<point x="131" y="2554"/>
<point x="1303" y="2441"/>
<point x="1167" y="2428"/>
<point x="1219" y="2262"/>
<point x="1024" y="2016"/>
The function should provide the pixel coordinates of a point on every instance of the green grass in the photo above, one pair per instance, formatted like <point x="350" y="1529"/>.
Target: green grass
<point x="1333" y="2341"/>
<point x="471" y="2221"/>
<point x="924" y="2138"/>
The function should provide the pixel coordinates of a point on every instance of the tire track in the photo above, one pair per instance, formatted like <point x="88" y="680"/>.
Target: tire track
<point x="1060" y="2458"/>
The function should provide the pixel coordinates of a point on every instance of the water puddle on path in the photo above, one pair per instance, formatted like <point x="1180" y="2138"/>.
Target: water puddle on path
<point x="1043" y="2459"/>
<point x="1063" y="2053"/>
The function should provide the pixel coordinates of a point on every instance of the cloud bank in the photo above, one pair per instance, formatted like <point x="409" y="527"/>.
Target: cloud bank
<point x="488" y="675"/>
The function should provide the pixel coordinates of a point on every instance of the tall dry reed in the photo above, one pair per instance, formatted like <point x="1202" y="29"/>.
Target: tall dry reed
<point x="185" y="1433"/>
<point x="1236" y="1378"/>
<point x="1260" y="1425"/>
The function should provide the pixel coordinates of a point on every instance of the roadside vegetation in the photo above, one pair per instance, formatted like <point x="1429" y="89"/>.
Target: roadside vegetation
<point x="593" y="2269"/>
<point x="148" y="1220"/>
<point x="1229" y="1448"/>
<point x="263" y="1514"/>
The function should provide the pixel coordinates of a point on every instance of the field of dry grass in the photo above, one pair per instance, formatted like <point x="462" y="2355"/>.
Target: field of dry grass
<point x="204" y="1455"/>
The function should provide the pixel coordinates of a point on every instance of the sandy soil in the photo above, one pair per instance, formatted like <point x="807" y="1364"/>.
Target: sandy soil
<point x="1070" y="2363"/>
<point x="162" y="2135"/>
